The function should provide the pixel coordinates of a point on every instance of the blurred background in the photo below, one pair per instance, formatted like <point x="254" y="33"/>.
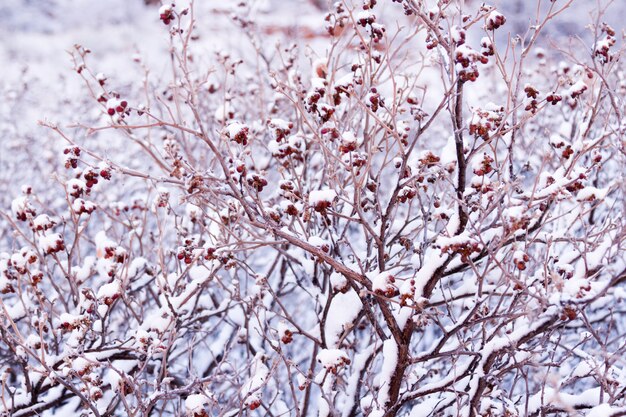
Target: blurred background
<point x="37" y="80"/>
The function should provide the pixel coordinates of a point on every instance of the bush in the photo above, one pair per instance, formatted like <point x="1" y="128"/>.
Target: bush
<point x="425" y="220"/>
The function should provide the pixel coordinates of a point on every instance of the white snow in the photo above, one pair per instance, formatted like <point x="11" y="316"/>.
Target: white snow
<point x="259" y="376"/>
<point x="550" y="396"/>
<point x="19" y="205"/>
<point x="79" y="205"/>
<point x="196" y="402"/>
<point x="322" y="196"/>
<point x="70" y="319"/>
<point x="42" y="222"/>
<point x="494" y="17"/>
<point x="338" y="281"/>
<point x="348" y="138"/>
<point x="110" y="290"/>
<point x="457" y="34"/>
<point x="166" y="8"/>
<point x="280" y="124"/>
<point x="332" y="359"/>
<point x="235" y="128"/>
<point x="604" y="410"/>
<point x="583" y="369"/>
<point x="343" y="310"/>
<point x="319" y="242"/>
<point x="81" y="364"/>
<point x="383" y="283"/>
<point x="590" y="193"/>
<point x="577" y="89"/>
<point x="433" y="260"/>
<point x="390" y="360"/>
<point x="49" y="243"/>
<point x="223" y="112"/>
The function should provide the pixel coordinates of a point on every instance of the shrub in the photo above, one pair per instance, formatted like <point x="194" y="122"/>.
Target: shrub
<point x="425" y="220"/>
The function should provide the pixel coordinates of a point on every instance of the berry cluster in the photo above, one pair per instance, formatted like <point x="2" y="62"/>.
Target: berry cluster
<point x="257" y="182"/>
<point x="336" y="21"/>
<point x="166" y="13"/>
<point x="465" y="249"/>
<point x="494" y="20"/>
<point x="553" y="98"/>
<point x="115" y="105"/>
<point x="520" y="259"/>
<point x="466" y="59"/>
<point x="602" y="48"/>
<point x="373" y="100"/>
<point x="485" y="121"/>
<point x="73" y="153"/>
<point x="484" y="167"/>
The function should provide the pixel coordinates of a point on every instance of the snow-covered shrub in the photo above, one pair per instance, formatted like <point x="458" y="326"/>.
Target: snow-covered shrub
<point x="408" y="217"/>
